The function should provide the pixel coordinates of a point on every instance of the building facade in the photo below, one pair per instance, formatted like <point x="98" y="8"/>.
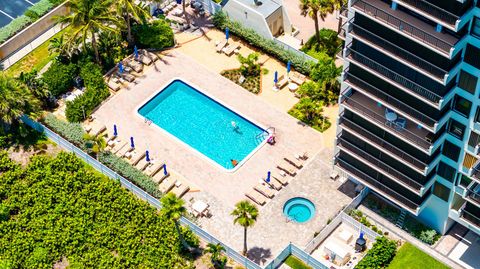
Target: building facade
<point x="409" y="120"/>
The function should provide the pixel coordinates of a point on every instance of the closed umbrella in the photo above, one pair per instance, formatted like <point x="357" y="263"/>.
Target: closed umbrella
<point x="147" y="156"/>
<point x="165" y="169"/>
<point x="289" y="66"/>
<point x="115" y="132"/>
<point x="132" y="144"/>
<point x="227" y="33"/>
<point x="135" y="52"/>
<point x="275" y="77"/>
<point x="268" y="177"/>
<point x="120" y="67"/>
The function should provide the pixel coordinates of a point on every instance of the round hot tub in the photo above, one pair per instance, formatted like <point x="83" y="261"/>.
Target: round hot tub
<point x="299" y="209"/>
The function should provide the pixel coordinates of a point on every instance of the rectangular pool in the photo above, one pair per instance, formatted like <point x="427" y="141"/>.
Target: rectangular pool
<point x="204" y="124"/>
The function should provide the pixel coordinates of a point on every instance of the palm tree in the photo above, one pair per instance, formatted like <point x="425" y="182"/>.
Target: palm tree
<point x="315" y="9"/>
<point x="87" y="18"/>
<point x="15" y="101"/>
<point x="128" y="10"/>
<point x="216" y="254"/>
<point x="245" y="215"/>
<point x="173" y="208"/>
<point x="185" y="13"/>
<point x="95" y="143"/>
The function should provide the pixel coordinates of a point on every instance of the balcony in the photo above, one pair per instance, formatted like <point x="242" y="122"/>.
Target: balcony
<point x="415" y="29"/>
<point x="381" y="97"/>
<point x="343" y="13"/>
<point x="432" y="12"/>
<point x="394" y="78"/>
<point x="468" y="216"/>
<point x="377" y="186"/>
<point x="473" y="194"/>
<point x="383" y="145"/>
<point x="475" y="171"/>
<point x="371" y="111"/>
<point x="379" y="166"/>
<point x="394" y="51"/>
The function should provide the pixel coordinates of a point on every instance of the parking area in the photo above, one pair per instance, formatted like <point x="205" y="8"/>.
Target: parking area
<point x="10" y="9"/>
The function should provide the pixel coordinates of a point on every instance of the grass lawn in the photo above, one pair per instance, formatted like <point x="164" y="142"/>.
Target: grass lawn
<point x="410" y="257"/>
<point x="296" y="263"/>
<point x="37" y="59"/>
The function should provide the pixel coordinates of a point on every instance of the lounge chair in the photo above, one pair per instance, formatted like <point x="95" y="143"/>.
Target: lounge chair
<point x="269" y="193"/>
<point x="298" y="78"/>
<point x="282" y="81"/>
<point x="274" y="183"/>
<point x="256" y="197"/>
<point x="179" y="191"/>
<point x="159" y="177"/>
<point x="282" y="179"/>
<point x="95" y="128"/>
<point x="124" y="150"/>
<point x="142" y="164"/>
<point x="126" y="76"/>
<point x="221" y="45"/>
<point x="136" y="66"/>
<point x="118" y="146"/>
<point x="153" y="168"/>
<point x="287" y="168"/>
<point x="144" y="59"/>
<point x="150" y="55"/>
<point x="134" y="157"/>
<point x="296" y="163"/>
<point x="230" y="49"/>
<point x="301" y="156"/>
<point x="113" y="86"/>
<point x="167" y="185"/>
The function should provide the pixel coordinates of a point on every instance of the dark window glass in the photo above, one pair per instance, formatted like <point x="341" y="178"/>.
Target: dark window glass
<point x="441" y="191"/>
<point x="462" y="105"/>
<point x="465" y="181"/>
<point x="477" y="115"/>
<point x="472" y="56"/>
<point x="456" y="129"/>
<point x="476" y="27"/>
<point x="450" y="150"/>
<point x="467" y="82"/>
<point x="446" y="171"/>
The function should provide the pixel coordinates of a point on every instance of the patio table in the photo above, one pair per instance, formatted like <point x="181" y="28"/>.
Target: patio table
<point x="200" y="207"/>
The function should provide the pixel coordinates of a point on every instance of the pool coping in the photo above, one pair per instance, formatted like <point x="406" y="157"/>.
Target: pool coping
<point x="199" y="89"/>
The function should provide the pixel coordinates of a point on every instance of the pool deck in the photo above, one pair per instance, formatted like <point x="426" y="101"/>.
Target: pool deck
<point x="222" y="189"/>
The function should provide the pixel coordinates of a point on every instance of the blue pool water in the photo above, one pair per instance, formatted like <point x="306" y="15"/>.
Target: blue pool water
<point x="299" y="209"/>
<point x="203" y="123"/>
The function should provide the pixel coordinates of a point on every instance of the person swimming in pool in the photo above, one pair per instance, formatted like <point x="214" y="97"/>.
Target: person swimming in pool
<point x="236" y="128"/>
<point x="234" y="162"/>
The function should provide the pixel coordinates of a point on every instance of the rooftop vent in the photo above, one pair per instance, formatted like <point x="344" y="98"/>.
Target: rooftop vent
<point x="258" y="2"/>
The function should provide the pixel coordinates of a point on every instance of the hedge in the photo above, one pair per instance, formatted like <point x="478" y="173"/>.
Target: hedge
<point x="59" y="77"/>
<point x="155" y="35"/>
<point x="73" y="132"/>
<point x="380" y="255"/>
<point x="39" y="9"/>
<point x="126" y="170"/>
<point x="221" y="21"/>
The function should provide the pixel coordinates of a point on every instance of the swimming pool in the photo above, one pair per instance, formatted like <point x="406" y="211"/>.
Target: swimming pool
<point x="204" y="124"/>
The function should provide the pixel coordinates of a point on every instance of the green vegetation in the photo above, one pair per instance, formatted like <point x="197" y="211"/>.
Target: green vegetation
<point x="387" y="211"/>
<point x="218" y="260"/>
<point x="310" y="111"/>
<point x="107" y="227"/>
<point x="380" y="255"/>
<point x="73" y="132"/>
<point x="245" y="214"/>
<point x="37" y="10"/>
<point x="329" y="44"/>
<point x="59" y="77"/>
<point x="410" y="257"/>
<point x="358" y="216"/>
<point x="420" y="230"/>
<point x="296" y="263"/>
<point x="156" y="35"/>
<point x="318" y="8"/>
<point x="249" y="70"/>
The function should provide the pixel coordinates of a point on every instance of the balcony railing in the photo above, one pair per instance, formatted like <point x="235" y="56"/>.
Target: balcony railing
<point x="391" y="172"/>
<point x="344" y="11"/>
<point x="390" y="47"/>
<point x="376" y="185"/>
<point x="474" y="193"/>
<point x="349" y="102"/>
<point x="433" y="10"/>
<point x="403" y="26"/>
<point x="469" y="216"/>
<point x="403" y="81"/>
<point x="381" y="143"/>
<point x="360" y="85"/>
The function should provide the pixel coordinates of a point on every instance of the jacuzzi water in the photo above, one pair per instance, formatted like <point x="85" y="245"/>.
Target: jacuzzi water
<point x="299" y="209"/>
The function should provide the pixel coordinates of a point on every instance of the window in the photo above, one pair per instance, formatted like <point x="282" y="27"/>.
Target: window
<point x="462" y="105"/>
<point x="477" y="115"/>
<point x="441" y="191"/>
<point x="467" y="82"/>
<point x="476" y="27"/>
<point x="456" y="129"/>
<point x="471" y="56"/>
<point x="450" y="150"/>
<point x="465" y="181"/>
<point x="446" y="171"/>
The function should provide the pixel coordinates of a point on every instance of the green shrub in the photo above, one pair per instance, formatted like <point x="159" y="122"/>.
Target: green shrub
<point x="155" y="35"/>
<point x="73" y="132"/>
<point x="59" y="78"/>
<point x="420" y="230"/>
<point x="296" y="263"/>
<point x="380" y="255"/>
<point x="14" y="27"/>
<point x="428" y="236"/>
<point x="123" y="168"/>
<point x="6" y="163"/>
<point x="191" y="239"/>
<point x="39" y="9"/>
<point x="310" y="111"/>
<point x="221" y="21"/>
<point x="329" y="44"/>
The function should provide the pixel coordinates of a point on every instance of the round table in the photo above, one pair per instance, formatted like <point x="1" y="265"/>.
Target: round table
<point x="292" y="87"/>
<point x="391" y="116"/>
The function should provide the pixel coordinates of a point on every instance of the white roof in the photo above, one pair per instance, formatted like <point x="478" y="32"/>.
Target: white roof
<point x="337" y="249"/>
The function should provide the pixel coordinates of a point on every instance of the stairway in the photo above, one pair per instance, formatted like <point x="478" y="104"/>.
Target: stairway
<point x="401" y="219"/>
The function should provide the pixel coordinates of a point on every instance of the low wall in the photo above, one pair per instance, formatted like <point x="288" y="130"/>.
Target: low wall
<point x="298" y="52"/>
<point x="32" y="31"/>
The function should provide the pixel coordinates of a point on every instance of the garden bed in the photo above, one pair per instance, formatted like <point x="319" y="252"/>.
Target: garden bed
<point x="252" y="83"/>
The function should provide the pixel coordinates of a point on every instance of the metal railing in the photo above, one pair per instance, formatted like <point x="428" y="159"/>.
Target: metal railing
<point x="387" y="169"/>
<point x="402" y="26"/>
<point x="381" y="143"/>
<point x="356" y="106"/>
<point x="361" y="85"/>
<point x="394" y="76"/>
<point x="230" y="252"/>
<point x="474" y="194"/>
<point x="375" y="185"/>
<point x="433" y="10"/>
<point x="471" y="218"/>
<point x="398" y="51"/>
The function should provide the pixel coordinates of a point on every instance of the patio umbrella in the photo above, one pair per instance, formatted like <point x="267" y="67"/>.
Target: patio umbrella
<point x="165" y="169"/>
<point x="132" y="145"/>
<point x="227" y="33"/>
<point x="289" y="66"/>
<point x="275" y="77"/>
<point x="135" y="52"/>
<point x="115" y="132"/>
<point x="179" y="1"/>
<point x="120" y="67"/>
<point x="268" y="177"/>
<point x="147" y="156"/>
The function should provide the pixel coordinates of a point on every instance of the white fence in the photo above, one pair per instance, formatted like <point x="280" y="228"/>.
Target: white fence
<point x="302" y="54"/>
<point x="230" y="252"/>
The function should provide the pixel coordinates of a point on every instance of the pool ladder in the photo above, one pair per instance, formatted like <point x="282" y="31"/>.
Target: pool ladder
<point x="265" y="133"/>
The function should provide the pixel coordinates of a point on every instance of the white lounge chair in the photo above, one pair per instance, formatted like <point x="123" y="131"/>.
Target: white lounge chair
<point x="95" y="128"/>
<point x="221" y="45"/>
<point x="124" y="150"/>
<point x="142" y="164"/>
<point x="287" y="168"/>
<point x="269" y="193"/>
<point x="167" y="185"/>
<point x="256" y="197"/>
<point x="296" y="163"/>
<point x="179" y="191"/>
<point x="136" y="66"/>
<point x="274" y="183"/>
<point x="117" y="146"/>
<point x="159" y="177"/>
<point x="153" y="168"/>
<point x="230" y="49"/>
<point x="134" y="157"/>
